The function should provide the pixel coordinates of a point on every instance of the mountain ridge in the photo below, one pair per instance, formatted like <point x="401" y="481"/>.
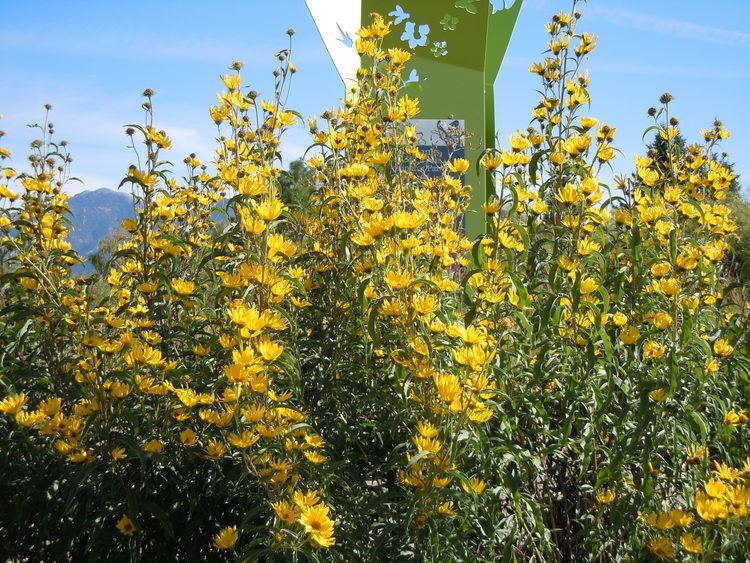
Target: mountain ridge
<point x="94" y="215"/>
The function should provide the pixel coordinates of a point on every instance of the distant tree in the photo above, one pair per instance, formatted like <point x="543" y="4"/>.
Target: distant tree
<point x="106" y="249"/>
<point x="297" y="184"/>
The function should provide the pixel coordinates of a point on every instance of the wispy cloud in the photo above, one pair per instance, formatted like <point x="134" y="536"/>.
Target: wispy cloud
<point x="669" y="26"/>
<point x="655" y="70"/>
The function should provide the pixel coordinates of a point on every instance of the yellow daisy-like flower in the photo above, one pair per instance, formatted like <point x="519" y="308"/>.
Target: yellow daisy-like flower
<point x="458" y="165"/>
<point x="629" y="335"/>
<point x="658" y="395"/>
<point x="723" y="348"/>
<point x="605" y="496"/>
<point x="12" y="404"/>
<point x="661" y="547"/>
<point x="691" y="543"/>
<point x="318" y="525"/>
<point x="226" y="538"/>
<point x="183" y="287"/>
<point x="126" y="526"/>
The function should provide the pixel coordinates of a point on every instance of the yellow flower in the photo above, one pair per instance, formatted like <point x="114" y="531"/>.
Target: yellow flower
<point x="288" y="513"/>
<point x="12" y="404"/>
<point x="183" y="287"/>
<point x="539" y="206"/>
<point x="691" y="543"/>
<point x="427" y="429"/>
<point x="218" y="113"/>
<point x="153" y="446"/>
<point x="126" y="526"/>
<point x="399" y="56"/>
<point x="458" y="165"/>
<point x="159" y="138"/>
<point x="653" y="350"/>
<point x="269" y="209"/>
<point x="226" y="538"/>
<point x="143" y="354"/>
<point x="605" y="496"/>
<point x="231" y="81"/>
<point x="649" y="176"/>
<point x="424" y="304"/>
<point x="118" y="453"/>
<point x="475" y="486"/>
<point x="445" y="509"/>
<point x="215" y="449"/>
<point x="588" y="285"/>
<point x="491" y="161"/>
<point x="587" y="246"/>
<point x="243" y="440"/>
<point x="723" y="471"/>
<point x="661" y="320"/>
<point x="661" y="547"/>
<point x="723" y="348"/>
<point x="629" y="335"/>
<point x="448" y="387"/>
<point x="269" y="349"/>
<point x="315" y="457"/>
<point x="620" y="319"/>
<point x="188" y="437"/>
<point x="658" y="395"/>
<point x="734" y="418"/>
<point x="318" y="525"/>
<point x="569" y="194"/>
<point x="518" y="142"/>
<point x="670" y="287"/>
<point x="695" y="454"/>
<point x="709" y="508"/>
<point x="398" y="279"/>
<point x="588" y="122"/>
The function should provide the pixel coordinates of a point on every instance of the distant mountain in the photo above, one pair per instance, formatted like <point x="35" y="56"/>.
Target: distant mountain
<point x="95" y="215"/>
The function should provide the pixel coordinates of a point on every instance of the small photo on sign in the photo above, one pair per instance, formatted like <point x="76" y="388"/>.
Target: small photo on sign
<point x="441" y="140"/>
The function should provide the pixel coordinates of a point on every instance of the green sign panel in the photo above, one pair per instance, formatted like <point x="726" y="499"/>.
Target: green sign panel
<point x="458" y="47"/>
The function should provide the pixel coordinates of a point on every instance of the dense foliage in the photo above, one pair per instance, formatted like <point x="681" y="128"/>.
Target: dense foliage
<point x="346" y="376"/>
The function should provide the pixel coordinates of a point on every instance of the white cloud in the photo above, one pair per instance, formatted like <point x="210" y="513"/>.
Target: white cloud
<point x="669" y="26"/>
<point x="682" y="71"/>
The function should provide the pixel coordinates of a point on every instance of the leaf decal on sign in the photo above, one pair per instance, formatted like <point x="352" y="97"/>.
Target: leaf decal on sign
<point x="468" y="5"/>
<point x="449" y="22"/>
<point x="439" y="48"/>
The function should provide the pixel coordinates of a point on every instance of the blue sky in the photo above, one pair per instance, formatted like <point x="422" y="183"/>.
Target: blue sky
<point x="91" y="60"/>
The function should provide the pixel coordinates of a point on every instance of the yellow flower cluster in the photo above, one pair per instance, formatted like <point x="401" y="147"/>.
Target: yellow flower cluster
<point x="566" y="370"/>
